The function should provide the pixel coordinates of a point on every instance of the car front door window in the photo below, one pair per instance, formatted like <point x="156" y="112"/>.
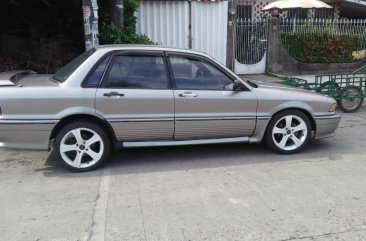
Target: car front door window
<point x="194" y="74"/>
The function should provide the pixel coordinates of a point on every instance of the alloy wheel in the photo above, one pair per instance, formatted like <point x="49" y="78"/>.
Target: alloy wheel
<point x="289" y="133"/>
<point x="81" y="147"/>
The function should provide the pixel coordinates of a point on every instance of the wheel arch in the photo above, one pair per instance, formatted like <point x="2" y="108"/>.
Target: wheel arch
<point x="304" y="111"/>
<point x="281" y="149"/>
<point x="262" y="132"/>
<point x="104" y="124"/>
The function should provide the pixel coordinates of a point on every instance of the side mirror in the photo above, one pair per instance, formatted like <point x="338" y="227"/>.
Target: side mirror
<point x="238" y="86"/>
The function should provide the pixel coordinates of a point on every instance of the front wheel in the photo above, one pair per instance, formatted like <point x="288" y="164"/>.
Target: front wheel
<point x="288" y="132"/>
<point x="81" y="146"/>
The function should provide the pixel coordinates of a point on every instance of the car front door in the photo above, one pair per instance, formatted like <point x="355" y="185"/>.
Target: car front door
<point x="206" y="106"/>
<point x="136" y="98"/>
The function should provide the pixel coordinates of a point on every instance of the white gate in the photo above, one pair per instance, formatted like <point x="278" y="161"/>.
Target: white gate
<point x="168" y="23"/>
<point x="250" y="49"/>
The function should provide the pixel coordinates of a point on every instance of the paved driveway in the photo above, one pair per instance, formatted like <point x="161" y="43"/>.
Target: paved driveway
<point x="213" y="192"/>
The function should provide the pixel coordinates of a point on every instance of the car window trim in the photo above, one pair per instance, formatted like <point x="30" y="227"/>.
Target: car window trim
<point x="170" y="70"/>
<point x="95" y="66"/>
<point x="156" y="53"/>
<point x="199" y="58"/>
<point x="149" y="53"/>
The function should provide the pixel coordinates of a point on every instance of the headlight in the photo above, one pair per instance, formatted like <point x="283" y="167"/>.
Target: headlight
<point x="333" y="108"/>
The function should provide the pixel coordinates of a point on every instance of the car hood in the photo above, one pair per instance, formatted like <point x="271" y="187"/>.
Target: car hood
<point x="277" y="87"/>
<point x="276" y="97"/>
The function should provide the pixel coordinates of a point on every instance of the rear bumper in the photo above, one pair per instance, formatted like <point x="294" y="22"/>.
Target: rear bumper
<point x="326" y="125"/>
<point x="28" y="134"/>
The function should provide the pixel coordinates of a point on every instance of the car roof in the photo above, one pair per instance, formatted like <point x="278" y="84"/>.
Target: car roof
<point x="148" y="47"/>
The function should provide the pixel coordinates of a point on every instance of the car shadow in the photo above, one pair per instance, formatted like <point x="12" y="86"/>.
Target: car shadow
<point x="165" y="159"/>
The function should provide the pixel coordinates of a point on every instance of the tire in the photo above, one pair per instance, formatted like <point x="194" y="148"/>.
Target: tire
<point x="294" y="126"/>
<point x="350" y="105"/>
<point x="81" y="146"/>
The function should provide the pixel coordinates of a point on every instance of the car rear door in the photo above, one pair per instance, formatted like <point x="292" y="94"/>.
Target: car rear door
<point x="206" y="106"/>
<point x="136" y="98"/>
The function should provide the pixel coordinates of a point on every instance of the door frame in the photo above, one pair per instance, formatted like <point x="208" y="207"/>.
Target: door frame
<point x="136" y="121"/>
<point x="231" y="76"/>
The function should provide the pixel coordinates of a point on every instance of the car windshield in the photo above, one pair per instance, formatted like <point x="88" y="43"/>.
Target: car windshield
<point x="62" y="74"/>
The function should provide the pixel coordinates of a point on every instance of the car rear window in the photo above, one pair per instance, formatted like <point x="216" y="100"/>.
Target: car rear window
<point x="62" y="74"/>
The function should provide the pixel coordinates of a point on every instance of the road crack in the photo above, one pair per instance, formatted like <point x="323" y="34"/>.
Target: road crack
<point x="325" y="235"/>
<point x="99" y="216"/>
<point x="141" y="208"/>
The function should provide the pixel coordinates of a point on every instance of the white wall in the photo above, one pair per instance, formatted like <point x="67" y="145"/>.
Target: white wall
<point x="164" y="22"/>
<point x="209" y="28"/>
<point x="167" y="23"/>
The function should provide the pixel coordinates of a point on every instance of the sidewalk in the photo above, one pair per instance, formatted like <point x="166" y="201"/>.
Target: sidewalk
<point x="262" y="77"/>
<point x="277" y="80"/>
<point x="308" y="78"/>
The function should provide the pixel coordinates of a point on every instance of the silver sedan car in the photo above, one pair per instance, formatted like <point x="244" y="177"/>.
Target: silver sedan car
<point x="136" y="96"/>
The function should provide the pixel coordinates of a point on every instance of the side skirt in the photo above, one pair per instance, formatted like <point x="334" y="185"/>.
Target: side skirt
<point x="189" y="142"/>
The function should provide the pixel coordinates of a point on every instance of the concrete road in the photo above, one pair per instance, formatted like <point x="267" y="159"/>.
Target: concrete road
<point x="213" y="192"/>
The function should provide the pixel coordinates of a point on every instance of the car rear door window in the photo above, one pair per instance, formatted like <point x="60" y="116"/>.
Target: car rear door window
<point x="137" y="72"/>
<point x="190" y="74"/>
<point x="96" y="73"/>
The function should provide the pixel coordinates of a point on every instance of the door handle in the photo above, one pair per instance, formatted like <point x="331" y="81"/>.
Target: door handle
<point x="111" y="94"/>
<point x="188" y="95"/>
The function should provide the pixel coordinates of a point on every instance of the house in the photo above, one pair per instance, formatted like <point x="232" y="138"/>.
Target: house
<point x="353" y="9"/>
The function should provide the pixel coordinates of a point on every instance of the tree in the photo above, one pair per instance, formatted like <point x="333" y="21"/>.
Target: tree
<point x="117" y="12"/>
<point x="123" y="29"/>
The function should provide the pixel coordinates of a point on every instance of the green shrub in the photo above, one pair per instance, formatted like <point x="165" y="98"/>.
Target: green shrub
<point x="112" y="34"/>
<point x="326" y="47"/>
<point x="130" y="7"/>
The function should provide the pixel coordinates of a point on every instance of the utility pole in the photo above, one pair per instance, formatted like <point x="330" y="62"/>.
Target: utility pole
<point x="190" y="25"/>
<point x="231" y="35"/>
<point x="91" y="29"/>
<point x="117" y="9"/>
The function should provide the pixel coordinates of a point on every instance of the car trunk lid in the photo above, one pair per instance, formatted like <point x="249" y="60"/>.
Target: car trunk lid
<point x="23" y="78"/>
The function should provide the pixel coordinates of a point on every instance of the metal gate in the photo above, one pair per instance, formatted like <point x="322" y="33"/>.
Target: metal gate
<point x="250" y="49"/>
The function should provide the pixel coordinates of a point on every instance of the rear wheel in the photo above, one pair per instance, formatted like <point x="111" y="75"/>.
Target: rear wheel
<point x="350" y="99"/>
<point x="288" y="132"/>
<point x="81" y="146"/>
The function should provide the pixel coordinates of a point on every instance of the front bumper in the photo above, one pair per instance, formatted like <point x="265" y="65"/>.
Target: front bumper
<point x="326" y="125"/>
